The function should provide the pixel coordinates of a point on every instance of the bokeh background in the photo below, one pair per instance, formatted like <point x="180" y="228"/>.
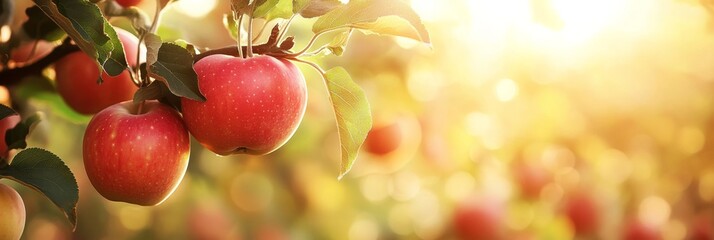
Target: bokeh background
<point x="524" y="119"/>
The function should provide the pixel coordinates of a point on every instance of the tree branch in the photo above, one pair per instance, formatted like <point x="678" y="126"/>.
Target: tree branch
<point x="9" y="77"/>
<point x="268" y="48"/>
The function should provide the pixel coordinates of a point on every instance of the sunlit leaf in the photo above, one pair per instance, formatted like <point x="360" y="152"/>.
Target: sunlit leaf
<point x="273" y="9"/>
<point x="357" y="13"/>
<point x="316" y="8"/>
<point x="338" y="44"/>
<point x="389" y="25"/>
<point x="354" y="119"/>
<point x="299" y="5"/>
<point x="85" y="24"/>
<point x="43" y="171"/>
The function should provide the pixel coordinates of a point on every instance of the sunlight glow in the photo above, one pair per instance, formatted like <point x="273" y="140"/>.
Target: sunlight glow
<point x="583" y="18"/>
<point x="195" y="8"/>
<point x="506" y="90"/>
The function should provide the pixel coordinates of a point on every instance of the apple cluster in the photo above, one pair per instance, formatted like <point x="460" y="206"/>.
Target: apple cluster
<point x="138" y="152"/>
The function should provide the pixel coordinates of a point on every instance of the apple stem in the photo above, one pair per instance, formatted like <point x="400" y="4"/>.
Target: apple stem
<point x="140" y="108"/>
<point x="239" y="20"/>
<point x="249" y="54"/>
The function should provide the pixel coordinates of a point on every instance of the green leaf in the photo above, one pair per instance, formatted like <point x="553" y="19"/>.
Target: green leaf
<point x="15" y="137"/>
<point x="232" y="27"/>
<point x="174" y="67"/>
<point x="6" y="111"/>
<point x="159" y="91"/>
<point x="316" y="8"/>
<point x="273" y="9"/>
<point x="358" y="13"/>
<point x="39" y="26"/>
<point x="43" y="171"/>
<point x="354" y="119"/>
<point x="85" y="24"/>
<point x="153" y="44"/>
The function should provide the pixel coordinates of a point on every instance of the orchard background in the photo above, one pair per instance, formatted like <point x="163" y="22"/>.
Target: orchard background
<point x="523" y="119"/>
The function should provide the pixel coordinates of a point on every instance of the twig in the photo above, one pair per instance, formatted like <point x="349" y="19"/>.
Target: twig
<point x="14" y="76"/>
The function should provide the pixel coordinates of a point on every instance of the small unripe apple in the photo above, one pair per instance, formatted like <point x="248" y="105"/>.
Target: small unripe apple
<point x="6" y="123"/>
<point x="382" y="140"/>
<point x="637" y="230"/>
<point x="12" y="214"/>
<point x="77" y="75"/>
<point x="479" y="219"/>
<point x="583" y="212"/>
<point x="23" y="54"/>
<point x="253" y="105"/>
<point x="128" y="3"/>
<point x="136" y="157"/>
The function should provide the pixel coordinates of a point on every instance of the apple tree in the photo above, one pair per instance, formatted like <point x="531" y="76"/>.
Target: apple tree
<point x="146" y="96"/>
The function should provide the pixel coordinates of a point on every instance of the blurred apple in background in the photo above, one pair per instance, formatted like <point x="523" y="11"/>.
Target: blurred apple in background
<point x="583" y="211"/>
<point x="476" y="219"/>
<point x="210" y="221"/>
<point x="12" y="214"/>
<point x="384" y="139"/>
<point x="701" y="228"/>
<point x="638" y="230"/>
<point x="23" y="55"/>
<point x="531" y="179"/>
<point x="390" y="145"/>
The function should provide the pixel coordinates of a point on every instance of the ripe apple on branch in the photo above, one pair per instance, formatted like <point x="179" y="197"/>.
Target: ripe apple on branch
<point x="242" y="99"/>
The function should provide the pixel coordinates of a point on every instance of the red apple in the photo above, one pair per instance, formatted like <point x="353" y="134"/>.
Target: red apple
<point x="637" y="230"/>
<point x="23" y="54"/>
<point x="384" y="139"/>
<point x="479" y="220"/>
<point x="583" y="212"/>
<point x="12" y="214"/>
<point x="210" y="221"/>
<point x="136" y="157"/>
<point x="77" y="75"/>
<point x="531" y="179"/>
<point x="128" y="3"/>
<point x="252" y="105"/>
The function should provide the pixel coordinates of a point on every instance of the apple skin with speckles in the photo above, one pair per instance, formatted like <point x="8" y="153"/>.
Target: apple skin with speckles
<point x="253" y="105"/>
<point x="77" y="75"/>
<point x="136" y="158"/>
